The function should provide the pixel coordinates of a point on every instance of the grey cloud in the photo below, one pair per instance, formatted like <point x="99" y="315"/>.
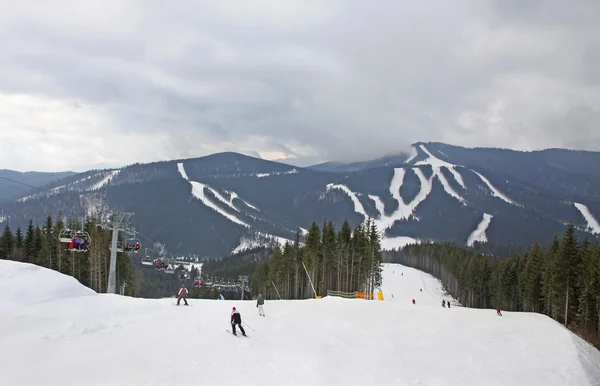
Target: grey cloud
<point x="314" y="81"/>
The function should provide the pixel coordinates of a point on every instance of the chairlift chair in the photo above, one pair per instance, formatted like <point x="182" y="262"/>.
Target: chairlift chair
<point x="119" y="246"/>
<point x="65" y="236"/>
<point x="132" y="245"/>
<point x="147" y="261"/>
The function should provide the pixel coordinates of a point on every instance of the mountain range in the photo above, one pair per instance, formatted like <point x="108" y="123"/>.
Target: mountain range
<point x="225" y="202"/>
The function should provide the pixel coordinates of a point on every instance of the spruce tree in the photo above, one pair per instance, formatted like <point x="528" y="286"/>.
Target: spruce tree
<point x="6" y="243"/>
<point x="18" y="238"/>
<point x="29" y="242"/>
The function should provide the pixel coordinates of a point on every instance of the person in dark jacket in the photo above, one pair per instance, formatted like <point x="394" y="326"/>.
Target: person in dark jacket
<point x="236" y="319"/>
<point x="259" y="304"/>
<point x="498" y="311"/>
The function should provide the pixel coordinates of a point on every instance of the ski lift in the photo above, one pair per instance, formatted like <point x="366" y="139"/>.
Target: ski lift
<point x="147" y="261"/>
<point x="160" y="264"/>
<point x="78" y="241"/>
<point x="65" y="236"/>
<point x="119" y="246"/>
<point x="132" y="245"/>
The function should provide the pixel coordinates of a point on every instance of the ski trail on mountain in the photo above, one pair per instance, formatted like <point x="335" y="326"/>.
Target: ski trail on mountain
<point x="479" y="234"/>
<point x="198" y="192"/>
<point x="589" y="217"/>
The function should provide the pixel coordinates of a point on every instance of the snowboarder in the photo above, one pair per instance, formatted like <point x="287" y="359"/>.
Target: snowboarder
<point x="498" y="311"/>
<point x="183" y="293"/>
<point x="259" y="304"/>
<point x="236" y="319"/>
<point x="443" y="303"/>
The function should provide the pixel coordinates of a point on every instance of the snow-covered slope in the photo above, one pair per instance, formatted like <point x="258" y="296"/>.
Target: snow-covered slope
<point x="113" y="340"/>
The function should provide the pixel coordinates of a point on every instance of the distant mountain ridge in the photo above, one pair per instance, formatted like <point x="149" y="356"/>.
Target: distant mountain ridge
<point x="216" y="204"/>
<point x="9" y="189"/>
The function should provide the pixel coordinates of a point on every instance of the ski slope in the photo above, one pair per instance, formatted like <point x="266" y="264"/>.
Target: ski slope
<point x="53" y="331"/>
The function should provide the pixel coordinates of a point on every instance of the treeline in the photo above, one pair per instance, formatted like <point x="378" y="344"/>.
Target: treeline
<point x="40" y="245"/>
<point x="561" y="280"/>
<point x="348" y="260"/>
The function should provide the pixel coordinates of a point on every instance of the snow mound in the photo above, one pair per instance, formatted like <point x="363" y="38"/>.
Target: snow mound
<point x="24" y="284"/>
<point x="114" y="340"/>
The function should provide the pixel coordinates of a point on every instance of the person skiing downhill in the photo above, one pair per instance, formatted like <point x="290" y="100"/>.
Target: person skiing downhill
<point x="259" y="304"/>
<point x="236" y="319"/>
<point x="498" y="311"/>
<point x="183" y="293"/>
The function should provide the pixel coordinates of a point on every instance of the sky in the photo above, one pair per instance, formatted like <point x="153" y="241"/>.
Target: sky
<point x="89" y="83"/>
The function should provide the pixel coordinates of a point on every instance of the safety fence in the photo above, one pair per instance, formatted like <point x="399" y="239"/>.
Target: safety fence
<point x="352" y="295"/>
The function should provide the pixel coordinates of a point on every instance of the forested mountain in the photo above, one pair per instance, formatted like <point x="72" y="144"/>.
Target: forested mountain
<point x="213" y="205"/>
<point x="10" y="189"/>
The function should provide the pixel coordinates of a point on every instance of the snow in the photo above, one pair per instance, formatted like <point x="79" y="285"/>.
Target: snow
<point x="77" y="337"/>
<point x="108" y="176"/>
<point x="479" y="234"/>
<point x="405" y="283"/>
<point x="263" y="175"/>
<point x="592" y="222"/>
<point x="198" y="192"/>
<point x="398" y="242"/>
<point x="358" y="207"/>
<point x="495" y="192"/>
<point x="259" y="240"/>
<point x="437" y="164"/>
<point x="447" y="186"/>
<point x="378" y="204"/>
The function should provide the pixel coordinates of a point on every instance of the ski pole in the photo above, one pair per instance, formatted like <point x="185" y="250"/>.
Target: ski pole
<point x="248" y="326"/>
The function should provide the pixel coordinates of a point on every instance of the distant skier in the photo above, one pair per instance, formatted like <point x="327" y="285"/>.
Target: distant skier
<point x="498" y="311"/>
<point x="259" y="304"/>
<point x="443" y="303"/>
<point x="421" y="290"/>
<point x="448" y="303"/>
<point x="183" y="293"/>
<point x="414" y="301"/>
<point x="221" y="297"/>
<point x="236" y="319"/>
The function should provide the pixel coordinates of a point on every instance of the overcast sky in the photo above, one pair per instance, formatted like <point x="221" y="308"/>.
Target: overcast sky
<point x="85" y="82"/>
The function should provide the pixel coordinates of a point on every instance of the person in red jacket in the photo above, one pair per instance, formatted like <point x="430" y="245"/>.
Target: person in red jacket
<point x="498" y="311"/>
<point x="183" y="293"/>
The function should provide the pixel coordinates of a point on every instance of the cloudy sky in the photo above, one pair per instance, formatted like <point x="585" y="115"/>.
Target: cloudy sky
<point x="86" y="83"/>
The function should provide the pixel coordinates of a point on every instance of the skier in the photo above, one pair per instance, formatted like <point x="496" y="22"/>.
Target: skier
<point x="236" y="318"/>
<point x="443" y="303"/>
<point x="221" y="297"/>
<point x="498" y="311"/>
<point x="259" y="304"/>
<point x="414" y="301"/>
<point x="183" y="293"/>
<point x="448" y="303"/>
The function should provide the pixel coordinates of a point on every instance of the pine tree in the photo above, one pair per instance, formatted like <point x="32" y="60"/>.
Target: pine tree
<point x="531" y="279"/>
<point x="568" y="265"/>
<point x="29" y="242"/>
<point x="6" y="243"/>
<point x="18" y="238"/>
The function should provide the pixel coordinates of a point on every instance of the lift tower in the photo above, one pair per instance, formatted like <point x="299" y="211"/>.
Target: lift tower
<point x="119" y="222"/>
